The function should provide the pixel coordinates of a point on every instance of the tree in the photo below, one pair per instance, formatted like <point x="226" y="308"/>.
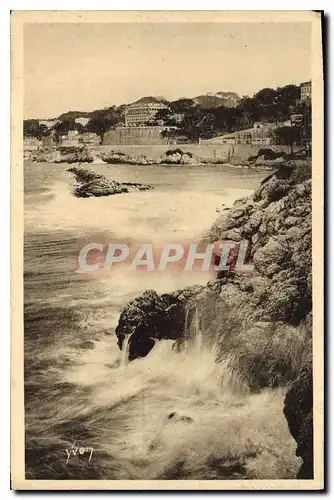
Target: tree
<point x="288" y="136"/>
<point x="32" y="128"/>
<point x="251" y="108"/>
<point x="164" y="115"/>
<point x="305" y="108"/>
<point x="103" y="120"/>
<point x="287" y="95"/>
<point x="63" y="127"/>
<point x="72" y="115"/>
<point x="266" y="96"/>
<point x="181" y="105"/>
<point x="207" y="125"/>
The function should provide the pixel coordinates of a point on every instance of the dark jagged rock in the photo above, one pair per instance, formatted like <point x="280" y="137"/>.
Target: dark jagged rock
<point x="298" y="410"/>
<point x="90" y="183"/>
<point x="177" y="417"/>
<point x="152" y="317"/>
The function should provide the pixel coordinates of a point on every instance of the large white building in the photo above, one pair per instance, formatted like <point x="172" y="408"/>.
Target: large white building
<point x="306" y="91"/>
<point x="82" y="120"/>
<point x="141" y="112"/>
<point x="48" y="123"/>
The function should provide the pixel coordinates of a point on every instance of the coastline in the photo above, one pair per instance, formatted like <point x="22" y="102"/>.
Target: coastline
<point x="177" y="155"/>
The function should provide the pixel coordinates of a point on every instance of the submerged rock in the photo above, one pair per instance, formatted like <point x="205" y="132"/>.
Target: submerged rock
<point x="177" y="417"/>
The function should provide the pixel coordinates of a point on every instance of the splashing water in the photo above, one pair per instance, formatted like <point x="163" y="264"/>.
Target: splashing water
<point x="198" y="332"/>
<point x="125" y="350"/>
<point x="170" y="415"/>
<point x="171" y="410"/>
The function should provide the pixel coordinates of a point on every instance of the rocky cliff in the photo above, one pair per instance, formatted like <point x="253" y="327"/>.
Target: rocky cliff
<point x="261" y="322"/>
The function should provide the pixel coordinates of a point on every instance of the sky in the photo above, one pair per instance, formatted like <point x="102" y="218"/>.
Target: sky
<point x="89" y="66"/>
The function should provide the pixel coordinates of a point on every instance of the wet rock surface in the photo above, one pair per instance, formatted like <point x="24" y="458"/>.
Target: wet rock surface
<point x="152" y="317"/>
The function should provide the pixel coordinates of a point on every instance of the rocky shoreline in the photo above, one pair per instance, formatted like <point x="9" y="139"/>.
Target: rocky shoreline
<point x="262" y="321"/>
<point x="265" y="159"/>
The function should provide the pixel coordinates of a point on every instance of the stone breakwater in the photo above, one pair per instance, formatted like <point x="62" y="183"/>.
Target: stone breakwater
<point x="90" y="183"/>
<point x="261" y="323"/>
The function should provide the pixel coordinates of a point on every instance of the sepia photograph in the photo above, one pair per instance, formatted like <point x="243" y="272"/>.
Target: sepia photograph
<point x="167" y="247"/>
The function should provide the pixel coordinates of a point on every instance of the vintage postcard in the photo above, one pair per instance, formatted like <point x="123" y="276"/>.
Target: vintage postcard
<point x="167" y="246"/>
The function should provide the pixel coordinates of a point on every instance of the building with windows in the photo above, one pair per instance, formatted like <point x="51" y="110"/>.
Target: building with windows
<point x="31" y="144"/>
<point x="142" y="112"/>
<point x="71" y="139"/>
<point x="82" y="120"/>
<point x="306" y="91"/>
<point x="74" y="139"/>
<point x="177" y="117"/>
<point x="48" y="123"/>
<point x="259" y="134"/>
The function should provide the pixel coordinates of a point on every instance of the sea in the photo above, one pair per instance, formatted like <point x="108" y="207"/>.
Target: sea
<point x="89" y="412"/>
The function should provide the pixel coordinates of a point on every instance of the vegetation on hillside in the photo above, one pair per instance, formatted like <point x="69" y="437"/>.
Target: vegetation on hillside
<point x="192" y="119"/>
<point x="32" y="128"/>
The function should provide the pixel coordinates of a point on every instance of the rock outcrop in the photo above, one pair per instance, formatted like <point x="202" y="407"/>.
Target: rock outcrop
<point x="177" y="157"/>
<point x="170" y="157"/>
<point x="261" y="322"/>
<point x="51" y="154"/>
<point x="152" y="317"/>
<point x="90" y="183"/>
<point x="118" y="158"/>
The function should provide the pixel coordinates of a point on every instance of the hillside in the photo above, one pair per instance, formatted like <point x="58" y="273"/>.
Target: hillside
<point x="261" y="323"/>
<point x="215" y="100"/>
